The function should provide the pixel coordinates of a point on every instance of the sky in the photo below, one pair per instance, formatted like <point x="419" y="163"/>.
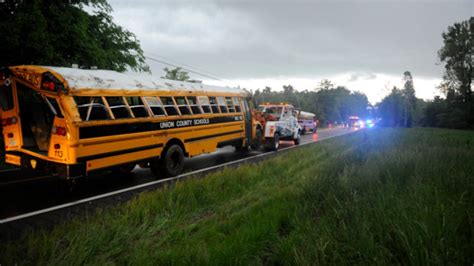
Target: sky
<point x="364" y="45"/>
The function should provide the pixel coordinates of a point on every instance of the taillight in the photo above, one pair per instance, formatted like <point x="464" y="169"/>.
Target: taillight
<point x="9" y="121"/>
<point x="61" y="131"/>
<point x="48" y="85"/>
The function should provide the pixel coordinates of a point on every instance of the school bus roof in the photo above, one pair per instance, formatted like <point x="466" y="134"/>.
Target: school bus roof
<point x="79" y="81"/>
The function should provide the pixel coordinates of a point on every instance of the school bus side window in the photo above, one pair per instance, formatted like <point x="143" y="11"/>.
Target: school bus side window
<point x="170" y="108"/>
<point x="91" y="108"/>
<point x="155" y="105"/>
<point x="182" y="105"/>
<point x="222" y="105"/>
<point x="204" y="102"/>
<point x="237" y="104"/>
<point x="230" y="104"/>
<point x="194" y="105"/>
<point x="118" y="107"/>
<point x="137" y="106"/>
<point x="214" y="107"/>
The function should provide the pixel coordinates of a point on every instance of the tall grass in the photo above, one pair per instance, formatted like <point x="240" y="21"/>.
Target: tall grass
<point x="374" y="197"/>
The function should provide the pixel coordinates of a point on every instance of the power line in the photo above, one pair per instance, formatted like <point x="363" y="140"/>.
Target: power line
<point x="184" y="64"/>
<point x="190" y="70"/>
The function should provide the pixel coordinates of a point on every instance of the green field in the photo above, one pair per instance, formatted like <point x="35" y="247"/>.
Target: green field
<point x="398" y="196"/>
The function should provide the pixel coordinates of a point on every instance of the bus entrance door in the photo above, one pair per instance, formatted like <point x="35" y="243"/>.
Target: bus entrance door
<point x="248" y="122"/>
<point x="10" y="120"/>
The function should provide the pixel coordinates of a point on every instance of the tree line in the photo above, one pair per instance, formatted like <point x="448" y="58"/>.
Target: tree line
<point x="331" y="104"/>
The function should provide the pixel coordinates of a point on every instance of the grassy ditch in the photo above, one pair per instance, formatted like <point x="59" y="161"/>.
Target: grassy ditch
<point x="374" y="197"/>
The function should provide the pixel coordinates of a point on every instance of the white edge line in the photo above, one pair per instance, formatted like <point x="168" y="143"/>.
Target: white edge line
<point x="65" y="205"/>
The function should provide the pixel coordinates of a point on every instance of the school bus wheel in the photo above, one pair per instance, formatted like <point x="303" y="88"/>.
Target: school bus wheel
<point x="171" y="162"/>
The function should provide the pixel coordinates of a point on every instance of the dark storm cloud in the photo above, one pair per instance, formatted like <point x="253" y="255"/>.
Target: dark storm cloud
<point x="258" y="39"/>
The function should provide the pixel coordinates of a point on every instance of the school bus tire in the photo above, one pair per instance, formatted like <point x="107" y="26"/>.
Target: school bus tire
<point x="170" y="164"/>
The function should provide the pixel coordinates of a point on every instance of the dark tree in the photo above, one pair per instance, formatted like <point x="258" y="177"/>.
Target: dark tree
<point x="458" y="56"/>
<point x="409" y="104"/>
<point x="62" y="33"/>
<point x="391" y="108"/>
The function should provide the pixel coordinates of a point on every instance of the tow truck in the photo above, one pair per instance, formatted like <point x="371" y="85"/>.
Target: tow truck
<point x="280" y="123"/>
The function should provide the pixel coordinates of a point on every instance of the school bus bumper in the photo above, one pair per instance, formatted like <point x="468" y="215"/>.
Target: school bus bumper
<point x="68" y="171"/>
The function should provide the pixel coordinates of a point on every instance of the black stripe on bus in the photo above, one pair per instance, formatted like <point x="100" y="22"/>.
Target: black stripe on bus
<point x="213" y="136"/>
<point x="113" y="153"/>
<point x="111" y="130"/>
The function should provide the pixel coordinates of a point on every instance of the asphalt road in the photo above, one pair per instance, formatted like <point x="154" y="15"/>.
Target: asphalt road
<point x="38" y="194"/>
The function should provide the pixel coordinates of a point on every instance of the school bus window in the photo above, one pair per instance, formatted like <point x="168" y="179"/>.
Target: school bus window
<point x="118" y="107"/>
<point x="230" y="104"/>
<point x="137" y="106"/>
<point x="237" y="104"/>
<point x="204" y="102"/>
<point x="222" y="105"/>
<point x="156" y="106"/>
<point x="6" y="97"/>
<point x="214" y="107"/>
<point x="54" y="106"/>
<point x="194" y="105"/>
<point x="91" y="108"/>
<point x="170" y="108"/>
<point x="182" y="105"/>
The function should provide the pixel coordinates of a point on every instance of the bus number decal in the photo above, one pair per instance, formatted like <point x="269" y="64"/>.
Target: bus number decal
<point x="58" y="153"/>
<point x="30" y="78"/>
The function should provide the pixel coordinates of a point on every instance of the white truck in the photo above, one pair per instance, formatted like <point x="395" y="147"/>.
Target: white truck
<point x="281" y="123"/>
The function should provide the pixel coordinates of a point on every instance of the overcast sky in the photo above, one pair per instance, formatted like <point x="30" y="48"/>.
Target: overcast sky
<point x="363" y="45"/>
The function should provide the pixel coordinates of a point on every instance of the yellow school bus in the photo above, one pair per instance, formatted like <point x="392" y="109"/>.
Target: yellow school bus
<point x="72" y="122"/>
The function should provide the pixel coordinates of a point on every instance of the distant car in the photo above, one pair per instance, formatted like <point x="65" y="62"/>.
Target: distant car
<point x="355" y="122"/>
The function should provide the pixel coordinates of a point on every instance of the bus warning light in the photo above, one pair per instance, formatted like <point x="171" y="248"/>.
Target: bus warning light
<point x="48" y="85"/>
<point x="9" y="121"/>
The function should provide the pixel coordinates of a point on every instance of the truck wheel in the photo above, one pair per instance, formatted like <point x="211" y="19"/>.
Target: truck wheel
<point x="273" y="143"/>
<point x="297" y="140"/>
<point x="170" y="164"/>
<point x="303" y="131"/>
